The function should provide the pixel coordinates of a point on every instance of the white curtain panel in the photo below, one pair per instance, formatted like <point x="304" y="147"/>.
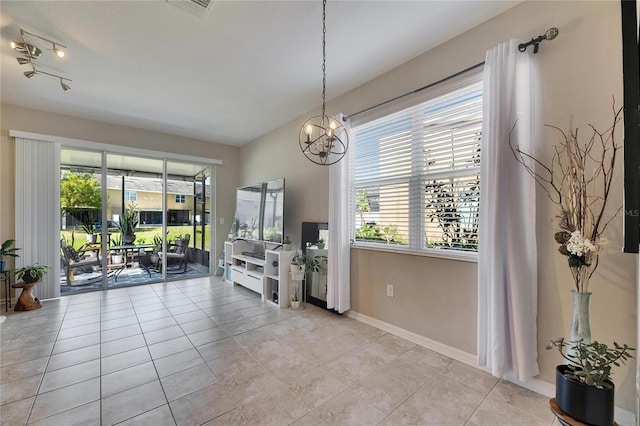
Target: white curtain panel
<point x="507" y="255"/>
<point x="339" y="259"/>
<point x="37" y="209"/>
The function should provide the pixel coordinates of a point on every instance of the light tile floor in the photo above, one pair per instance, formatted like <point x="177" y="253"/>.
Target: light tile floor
<point x="203" y="352"/>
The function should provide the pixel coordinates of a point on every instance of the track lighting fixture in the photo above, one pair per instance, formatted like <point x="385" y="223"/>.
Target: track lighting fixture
<point x="32" y="53"/>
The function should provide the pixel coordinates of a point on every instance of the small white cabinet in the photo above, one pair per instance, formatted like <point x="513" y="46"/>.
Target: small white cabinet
<point x="268" y="277"/>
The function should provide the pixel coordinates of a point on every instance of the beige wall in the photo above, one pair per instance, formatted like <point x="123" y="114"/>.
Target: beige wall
<point x="29" y="120"/>
<point x="579" y="72"/>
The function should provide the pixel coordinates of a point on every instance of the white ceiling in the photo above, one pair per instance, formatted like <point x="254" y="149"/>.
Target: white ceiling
<point x="248" y="68"/>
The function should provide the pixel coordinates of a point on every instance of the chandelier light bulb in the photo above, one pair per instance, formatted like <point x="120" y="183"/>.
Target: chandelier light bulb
<point x="14" y="45"/>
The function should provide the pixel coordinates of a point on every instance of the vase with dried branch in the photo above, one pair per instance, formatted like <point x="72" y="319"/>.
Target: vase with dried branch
<point x="578" y="180"/>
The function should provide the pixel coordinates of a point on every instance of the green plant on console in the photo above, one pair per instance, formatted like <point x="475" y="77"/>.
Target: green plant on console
<point x="590" y="363"/>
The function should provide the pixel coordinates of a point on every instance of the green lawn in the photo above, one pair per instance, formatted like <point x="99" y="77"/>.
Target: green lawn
<point x="144" y="235"/>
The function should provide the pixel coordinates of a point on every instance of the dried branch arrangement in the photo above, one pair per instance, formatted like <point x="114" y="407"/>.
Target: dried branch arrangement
<point x="578" y="180"/>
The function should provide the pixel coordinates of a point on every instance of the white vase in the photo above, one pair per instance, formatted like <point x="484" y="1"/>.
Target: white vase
<point x="580" y="328"/>
<point x="295" y="304"/>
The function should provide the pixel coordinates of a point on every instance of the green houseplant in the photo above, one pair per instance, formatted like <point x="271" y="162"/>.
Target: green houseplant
<point x="7" y="251"/>
<point x="129" y="223"/>
<point x="584" y="389"/>
<point x="306" y="262"/>
<point x="89" y="228"/>
<point x="31" y="273"/>
<point x="117" y="255"/>
<point x="287" y="243"/>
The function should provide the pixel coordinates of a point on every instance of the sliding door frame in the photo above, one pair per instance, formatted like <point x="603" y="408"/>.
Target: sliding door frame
<point x="104" y="150"/>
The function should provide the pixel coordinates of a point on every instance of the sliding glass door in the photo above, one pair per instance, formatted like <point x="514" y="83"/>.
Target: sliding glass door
<point x="137" y="220"/>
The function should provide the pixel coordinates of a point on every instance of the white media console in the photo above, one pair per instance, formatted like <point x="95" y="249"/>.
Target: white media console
<point x="268" y="277"/>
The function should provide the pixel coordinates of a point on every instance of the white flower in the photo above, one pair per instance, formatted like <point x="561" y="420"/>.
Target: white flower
<point x="578" y="245"/>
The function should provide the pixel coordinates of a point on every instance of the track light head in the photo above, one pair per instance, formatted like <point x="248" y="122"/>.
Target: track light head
<point x="59" y="53"/>
<point x="30" y="74"/>
<point x="65" y="86"/>
<point x="27" y="49"/>
<point x="23" y="61"/>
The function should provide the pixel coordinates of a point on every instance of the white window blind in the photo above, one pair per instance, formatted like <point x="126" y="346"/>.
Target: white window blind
<point x="416" y="173"/>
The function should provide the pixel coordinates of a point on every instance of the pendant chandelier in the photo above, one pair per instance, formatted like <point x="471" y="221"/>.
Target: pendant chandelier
<point x="323" y="139"/>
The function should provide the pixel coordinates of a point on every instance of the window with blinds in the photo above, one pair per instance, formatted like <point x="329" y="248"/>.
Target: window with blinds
<point x="415" y="182"/>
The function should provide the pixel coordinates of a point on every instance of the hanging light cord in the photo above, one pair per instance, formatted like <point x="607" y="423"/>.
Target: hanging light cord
<point x="324" y="56"/>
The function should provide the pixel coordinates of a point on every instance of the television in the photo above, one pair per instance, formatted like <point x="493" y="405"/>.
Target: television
<point x="260" y="212"/>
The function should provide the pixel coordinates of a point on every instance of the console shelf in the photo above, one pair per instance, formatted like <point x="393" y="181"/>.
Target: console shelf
<point x="268" y="277"/>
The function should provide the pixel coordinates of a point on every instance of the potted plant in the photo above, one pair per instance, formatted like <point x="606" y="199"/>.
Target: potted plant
<point x="128" y="224"/>
<point x="584" y="389"/>
<point x="7" y="251"/>
<point x="286" y="244"/>
<point x="320" y="244"/>
<point x="31" y="273"/>
<point x="117" y="255"/>
<point x="295" y="298"/>
<point x="157" y="248"/>
<point x="90" y="229"/>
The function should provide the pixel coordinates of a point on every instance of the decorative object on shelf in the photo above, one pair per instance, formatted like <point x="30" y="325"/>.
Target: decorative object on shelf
<point x="584" y="389"/>
<point x="324" y="140"/>
<point x="129" y="223"/>
<point x="7" y="251"/>
<point x="320" y="244"/>
<point x="31" y="273"/>
<point x="31" y="53"/>
<point x="578" y="180"/>
<point x="286" y="244"/>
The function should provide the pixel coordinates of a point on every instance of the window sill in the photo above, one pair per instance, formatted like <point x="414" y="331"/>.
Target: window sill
<point x="442" y="254"/>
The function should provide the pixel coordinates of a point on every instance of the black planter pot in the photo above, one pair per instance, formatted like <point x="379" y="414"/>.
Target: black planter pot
<point x="587" y="404"/>
<point x="28" y="278"/>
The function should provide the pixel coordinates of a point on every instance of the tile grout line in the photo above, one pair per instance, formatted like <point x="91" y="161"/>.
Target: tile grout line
<point x="47" y="365"/>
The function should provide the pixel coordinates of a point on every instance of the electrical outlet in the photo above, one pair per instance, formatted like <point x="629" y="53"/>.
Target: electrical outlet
<point x="389" y="290"/>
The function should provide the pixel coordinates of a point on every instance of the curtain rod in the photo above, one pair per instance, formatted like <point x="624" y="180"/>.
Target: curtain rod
<point x="549" y="35"/>
<point x="346" y="117"/>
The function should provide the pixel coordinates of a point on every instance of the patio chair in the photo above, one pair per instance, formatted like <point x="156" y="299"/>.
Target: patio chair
<point x="178" y="250"/>
<point x="78" y="261"/>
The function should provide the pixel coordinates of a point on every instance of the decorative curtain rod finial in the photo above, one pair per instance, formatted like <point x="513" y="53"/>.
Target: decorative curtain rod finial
<point x="549" y="35"/>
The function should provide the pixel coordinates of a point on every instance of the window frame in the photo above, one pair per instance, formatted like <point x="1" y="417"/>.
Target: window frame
<point x="416" y="217"/>
<point x="128" y="198"/>
<point x="182" y="197"/>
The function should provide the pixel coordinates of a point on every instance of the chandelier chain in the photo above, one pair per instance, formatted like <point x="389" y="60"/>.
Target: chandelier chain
<point x="324" y="55"/>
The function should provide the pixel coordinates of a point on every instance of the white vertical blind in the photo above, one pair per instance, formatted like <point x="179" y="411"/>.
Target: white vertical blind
<point x="37" y="208"/>
<point x="416" y="183"/>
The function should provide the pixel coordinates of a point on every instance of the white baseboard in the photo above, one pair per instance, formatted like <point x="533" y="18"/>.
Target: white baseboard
<point x="623" y="417"/>
<point x="451" y="352"/>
